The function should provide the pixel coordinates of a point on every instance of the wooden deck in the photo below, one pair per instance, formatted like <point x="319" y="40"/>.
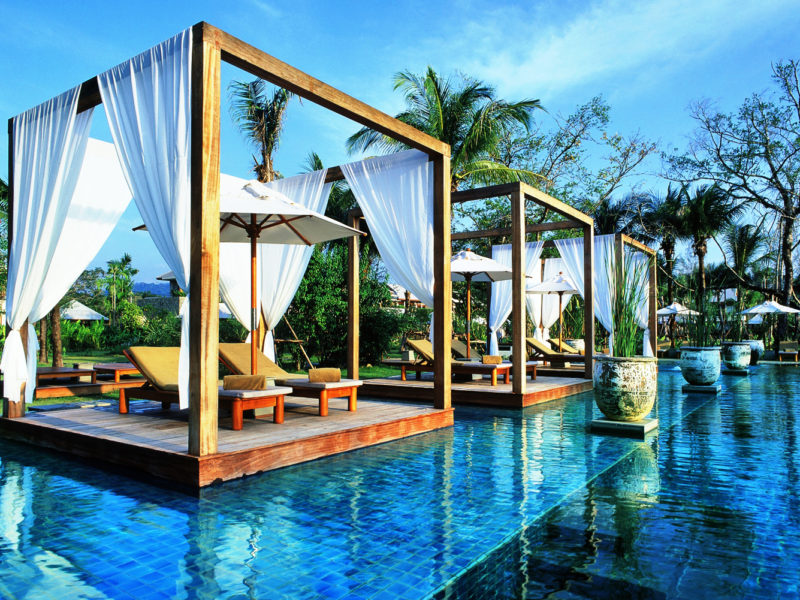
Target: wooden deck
<point x="545" y="387"/>
<point x="155" y="442"/>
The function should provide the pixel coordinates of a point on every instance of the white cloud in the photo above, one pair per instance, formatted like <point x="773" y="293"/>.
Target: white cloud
<point x="608" y="39"/>
<point x="266" y="8"/>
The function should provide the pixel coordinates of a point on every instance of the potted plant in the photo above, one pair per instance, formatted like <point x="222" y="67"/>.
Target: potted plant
<point x="625" y="383"/>
<point x="701" y="361"/>
<point x="736" y="353"/>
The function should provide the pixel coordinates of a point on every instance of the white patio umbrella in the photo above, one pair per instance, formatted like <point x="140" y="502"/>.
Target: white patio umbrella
<point x="757" y="320"/>
<point x="560" y="284"/>
<point x="468" y="266"/>
<point x="676" y="308"/>
<point x="770" y="307"/>
<point x="255" y="213"/>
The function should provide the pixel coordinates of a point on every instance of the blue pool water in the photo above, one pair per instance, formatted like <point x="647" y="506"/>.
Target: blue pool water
<point x="507" y="504"/>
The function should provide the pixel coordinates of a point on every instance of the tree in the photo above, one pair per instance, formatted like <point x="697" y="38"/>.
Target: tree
<point x="259" y="113"/>
<point x="462" y="112"/>
<point x="118" y="282"/>
<point x="706" y="212"/>
<point x="754" y="153"/>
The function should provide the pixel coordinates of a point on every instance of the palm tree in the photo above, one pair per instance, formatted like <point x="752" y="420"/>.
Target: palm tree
<point x="662" y="221"/>
<point x="743" y="245"/>
<point x="616" y="216"/>
<point x="259" y="115"/>
<point x="706" y="212"/>
<point x="462" y="112"/>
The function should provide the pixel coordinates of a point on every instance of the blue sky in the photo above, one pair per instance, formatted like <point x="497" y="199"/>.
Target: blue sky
<point x="650" y="59"/>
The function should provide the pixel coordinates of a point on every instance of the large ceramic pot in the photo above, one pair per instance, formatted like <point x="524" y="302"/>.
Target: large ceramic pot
<point x="736" y="355"/>
<point x="756" y="351"/>
<point x="579" y="345"/>
<point x="700" y="366"/>
<point x="625" y="388"/>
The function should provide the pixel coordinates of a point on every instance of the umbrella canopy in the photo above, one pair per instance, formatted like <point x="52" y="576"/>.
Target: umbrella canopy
<point x="676" y="308"/>
<point x="757" y="320"/>
<point x="769" y="307"/>
<point x="255" y="210"/>
<point x="77" y="311"/>
<point x="468" y="266"/>
<point x="560" y="284"/>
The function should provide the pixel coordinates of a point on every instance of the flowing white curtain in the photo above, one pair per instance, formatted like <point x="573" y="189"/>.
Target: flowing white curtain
<point x="395" y="193"/>
<point x="100" y="198"/>
<point x="49" y="146"/>
<point x="280" y="266"/>
<point x="533" y="302"/>
<point x="148" y="105"/>
<point x="571" y="250"/>
<point x="501" y="290"/>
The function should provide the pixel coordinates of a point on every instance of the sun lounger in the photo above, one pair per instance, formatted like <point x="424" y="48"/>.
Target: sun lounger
<point x="160" y="368"/>
<point x="565" y="347"/>
<point x="426" y="364"/>
<point x="43" y="373"/>
<point x="544" y="351"/>
<point x="459" y="348"/>
<point x="236" y="357"/>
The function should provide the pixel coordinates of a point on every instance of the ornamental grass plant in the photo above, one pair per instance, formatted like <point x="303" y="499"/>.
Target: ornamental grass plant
<point x="628" y="294"/>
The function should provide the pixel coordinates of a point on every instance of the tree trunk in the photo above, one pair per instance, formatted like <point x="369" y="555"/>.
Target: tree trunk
<point x="669" y="256"/>
<point x="55" y="327"/>
<point x="43" y="340"/>
<point x="787" y="289"/>
<point x="700" y="251"/>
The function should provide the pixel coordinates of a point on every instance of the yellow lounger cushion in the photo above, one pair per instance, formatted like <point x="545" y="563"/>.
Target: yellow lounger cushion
<point x="244" y="382"/>
<point x="238" y="356"/>
<point x="422" y="347"/>
<point x="324" y="375"/>
<point x="158" y="365"/>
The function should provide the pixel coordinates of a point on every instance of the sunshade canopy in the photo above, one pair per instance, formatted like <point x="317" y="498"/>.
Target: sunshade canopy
<point x="676" y="308"/>
<point x="466" y="265"/>
<point x="560" y="284"/>
<point x="768" y="307"/>
<point x="77" y="311"/>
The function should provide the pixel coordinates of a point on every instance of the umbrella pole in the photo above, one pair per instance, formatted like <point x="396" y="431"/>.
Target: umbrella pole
<point x="469" y="310"/>
<point x="253" y="319"/>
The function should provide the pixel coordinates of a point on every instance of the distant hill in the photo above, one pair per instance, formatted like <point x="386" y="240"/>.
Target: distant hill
<point x="158" y="289"/>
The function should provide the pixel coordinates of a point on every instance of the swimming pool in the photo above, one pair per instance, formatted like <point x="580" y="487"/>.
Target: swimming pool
<point x="506" y="504"/>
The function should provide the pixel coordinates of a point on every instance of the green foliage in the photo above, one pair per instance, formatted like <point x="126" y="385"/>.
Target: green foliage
<point x="318" y="312"/>
<point x="700" y="328"/>
<point x="77" y="336"/>
<point x="464" y="113"/>
<point x="231" y="331"/>
<point x="118" y="285"/>
<point x="629" y="291"/>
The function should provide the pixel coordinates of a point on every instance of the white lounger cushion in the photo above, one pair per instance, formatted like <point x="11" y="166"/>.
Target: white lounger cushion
<point x="270" y="391"/>
<point x="306" y="384"/>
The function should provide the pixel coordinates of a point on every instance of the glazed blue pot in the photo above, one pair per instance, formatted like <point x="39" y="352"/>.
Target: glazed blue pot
<point x="756" y="351"/>
<point x="700" y="366"/>
<point x="736" y="355"/>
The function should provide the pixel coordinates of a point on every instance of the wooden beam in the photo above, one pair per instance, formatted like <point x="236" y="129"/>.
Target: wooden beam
<point x="442" y="286"/>
<point x="636" y="244"/>
<point x="562" y="208"/>
<point x="204" y="263"/>
<point x="261" y="64"/>
<point x="588" y="299"/>
<point x="353" y="295"/>
<point x="334" y="174"/>
<point x="13" y="410"/>
<point x="652" y="302"/>
<point x="533" y="228"/>
<point x="89" y="96"/>
<point x="490" y="191"/>
<point x="518" y="311"/>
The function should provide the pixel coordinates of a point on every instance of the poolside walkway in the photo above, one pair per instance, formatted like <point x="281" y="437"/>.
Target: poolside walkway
<point x="154" y="442"/>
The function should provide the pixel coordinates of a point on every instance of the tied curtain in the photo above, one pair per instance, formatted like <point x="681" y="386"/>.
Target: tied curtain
<point x="49" y="143"/>
<point x="636" y="261"/>
<point x="395" y="192"/>
<point x="280" y="267"/>
<point x="148" y="106"/>
<point x="500" y="306"/>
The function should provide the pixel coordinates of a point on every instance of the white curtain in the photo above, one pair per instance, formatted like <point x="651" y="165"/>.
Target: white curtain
<point x="395" y="193"/>
<point x="148" y="105"/>
<point x="533" y="302"/>
<point x="100" y="198"/>
<point x="571" y="251"/>
<point x="501" y="290"/>
<point x="550" y="309"/>
<point x="49" y="146"/>
<point x="280" y="266"/>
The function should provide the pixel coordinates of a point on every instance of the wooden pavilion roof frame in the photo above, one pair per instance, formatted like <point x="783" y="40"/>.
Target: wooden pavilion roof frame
<point x="211" y="46"/>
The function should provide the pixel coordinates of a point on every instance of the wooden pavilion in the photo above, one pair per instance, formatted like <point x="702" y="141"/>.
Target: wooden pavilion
<point x="191" y="451"/>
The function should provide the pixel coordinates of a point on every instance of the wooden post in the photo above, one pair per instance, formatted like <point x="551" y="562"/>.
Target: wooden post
<point x="13" y="410"/>
<point x="442" y="286"/>
<point x="652" y="301"/>
<point x="518" y="291"/>
<point x="204" y="264"/>
<point x="588" y="299"/>
<point x="353" y="294"/>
